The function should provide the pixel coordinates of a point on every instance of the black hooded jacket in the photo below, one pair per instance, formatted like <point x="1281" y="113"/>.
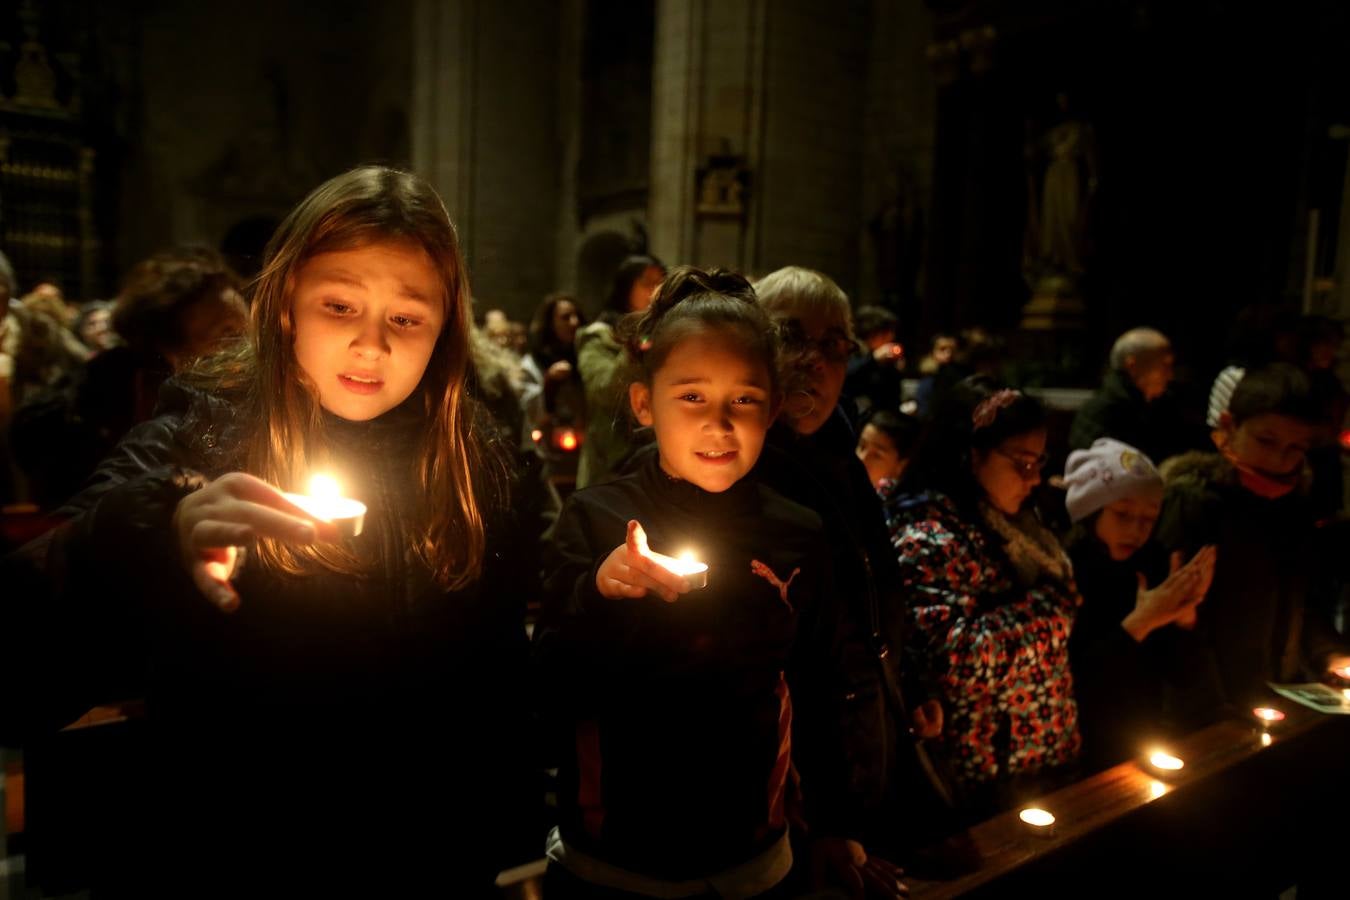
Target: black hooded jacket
<point x="678" y="720"/>
<point x="334" y="725"/>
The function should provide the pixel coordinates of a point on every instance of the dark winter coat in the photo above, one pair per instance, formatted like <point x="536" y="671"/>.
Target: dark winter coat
<point x="1256" y="624"/>
<point x="335" y="726"/>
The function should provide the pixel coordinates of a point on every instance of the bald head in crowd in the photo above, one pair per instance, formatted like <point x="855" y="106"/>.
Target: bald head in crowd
<point x="1145" y="356"/>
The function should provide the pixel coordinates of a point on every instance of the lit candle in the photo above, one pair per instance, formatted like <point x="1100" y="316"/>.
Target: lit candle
<point x="694" y="573"/>
<point x="1156" y="789"/>
<point x="1165" y="762"/>
<point x="685" y="565"/>
<point x="1268" y="714"/>
<point x="1343" y="672"/>
<point x="1266" y="739"/>
<point x="326" y="503"/>
<point x="1041" y="821"/>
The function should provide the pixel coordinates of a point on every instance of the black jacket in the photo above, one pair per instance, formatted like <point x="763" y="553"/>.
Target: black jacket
<point x="1119" y="682"/>
<point x="822" y="473"/>
<point x="1118" y="410"/>
<point x="327" y="707"/>
<point x="675" y="717"/>
<point x="1256" y="624"/>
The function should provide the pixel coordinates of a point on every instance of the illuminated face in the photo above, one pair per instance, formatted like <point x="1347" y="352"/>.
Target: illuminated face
<point x="644" y="288"/>
<point x="1271" y="443"/>
<point x="1125" y="525"/>
<point x="1010" y="471"/>
<point x="824" y="348"/>
<point x="565" y="321"/>
<point x="879" y="456"/>
<point x="1152" y="373"/>
<point x="944" y="350"/>
<point x="710" y="406"/>
<point x="366" y="323"/>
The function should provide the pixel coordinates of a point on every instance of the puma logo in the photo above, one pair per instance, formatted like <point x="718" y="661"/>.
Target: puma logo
<point x="768" y="575"/>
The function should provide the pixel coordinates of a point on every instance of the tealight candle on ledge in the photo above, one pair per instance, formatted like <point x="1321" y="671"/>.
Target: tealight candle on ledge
<point x="1165" y="762"/>
<point x="1268" y="714"/>
<point x="1042" y="821"/>
<point x="326" y="503"/>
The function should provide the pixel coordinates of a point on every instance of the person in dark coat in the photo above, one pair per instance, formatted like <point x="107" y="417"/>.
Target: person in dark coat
<point x="325" y="712"/>
<point x="810" y="457"/>
<point x="685" y="708"/>
<point x="1134" y="404"/>
<point x="1260" y="622"/>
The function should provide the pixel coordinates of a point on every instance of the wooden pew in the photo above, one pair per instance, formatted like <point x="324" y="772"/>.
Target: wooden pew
<point x="1242" y="818"/>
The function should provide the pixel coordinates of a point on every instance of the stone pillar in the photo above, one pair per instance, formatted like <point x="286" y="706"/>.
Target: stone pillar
<point x="756" y="117"/>
<point x="485" y="133"/>
<point x="708" y="95"/>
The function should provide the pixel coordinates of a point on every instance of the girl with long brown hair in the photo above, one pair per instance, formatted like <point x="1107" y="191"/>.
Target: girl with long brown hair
<point x="357" y="712"/>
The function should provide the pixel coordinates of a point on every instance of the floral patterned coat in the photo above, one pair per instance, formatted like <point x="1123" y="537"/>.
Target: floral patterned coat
<point x="996" y="652"/>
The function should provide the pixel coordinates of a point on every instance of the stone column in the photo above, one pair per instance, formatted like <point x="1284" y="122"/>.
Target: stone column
<point x="485" y="133"/>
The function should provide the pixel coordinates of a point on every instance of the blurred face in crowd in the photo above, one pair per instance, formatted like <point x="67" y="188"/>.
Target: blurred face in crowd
<point x="1151" y="372"/>
<point x="208" y="324"/>
<point x="1009" y="471"/>
<point x="879" y="456"/>
<point x="881" y="339"/>
<point x="1271" y="444"/>
<point x="366" y="323"/>
<point x="1322" y="355"/>
<point x="710" y="405"/>
<point x="824" y="348"/>
<point x="565" y="321"/>
<point x="944" y="350"/>
<point x="1125" y="525"/>
<point x="96" y="330"/>
<point x="641" y="293"/>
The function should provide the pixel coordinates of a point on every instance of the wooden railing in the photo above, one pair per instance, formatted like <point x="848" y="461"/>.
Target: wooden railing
<point x="1241" y="815"/>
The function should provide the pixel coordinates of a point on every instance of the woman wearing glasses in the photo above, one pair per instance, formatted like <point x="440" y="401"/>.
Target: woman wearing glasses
<point x="992" y="596"/>
<point x="810" y="457"/>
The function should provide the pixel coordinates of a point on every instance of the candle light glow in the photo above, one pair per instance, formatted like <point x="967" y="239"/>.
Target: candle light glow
<point x="1156" y="789"/>
<point x="1036" y="817"/>
<point x="1165" y="762"/>
<point x="685" y="565"/>
<point x="326" y="503"/>
<point x="1268" y="714"/>
<point x="1266" y="739"/>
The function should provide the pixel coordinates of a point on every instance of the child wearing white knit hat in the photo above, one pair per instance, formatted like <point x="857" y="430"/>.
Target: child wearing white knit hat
<point x="1106" y="472"/>
<point x="1114" y="497"/>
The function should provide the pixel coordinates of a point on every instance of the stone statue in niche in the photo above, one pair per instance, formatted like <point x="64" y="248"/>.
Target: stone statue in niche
<point x="1061" y="184"/>
<point x="722" y="186"/>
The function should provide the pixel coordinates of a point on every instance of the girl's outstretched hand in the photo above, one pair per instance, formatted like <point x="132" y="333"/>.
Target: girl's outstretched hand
<point x="231" y="512"/>
<point x="629" y="572"/>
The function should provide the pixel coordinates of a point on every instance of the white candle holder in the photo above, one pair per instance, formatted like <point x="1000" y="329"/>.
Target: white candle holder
<point x="326" y="503"/>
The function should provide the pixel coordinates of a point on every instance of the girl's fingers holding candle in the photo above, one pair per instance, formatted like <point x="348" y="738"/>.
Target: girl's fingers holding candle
<point x="212" y="574"/>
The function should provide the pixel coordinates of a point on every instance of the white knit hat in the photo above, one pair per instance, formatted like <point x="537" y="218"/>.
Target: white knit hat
<point x="1107" y="472"/>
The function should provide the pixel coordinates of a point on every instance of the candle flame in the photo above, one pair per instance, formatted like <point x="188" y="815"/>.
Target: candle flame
<point x="1166" y="761"/>
<point x="1036" y="816"/>
<point x="1156" y="789"/>
<point x="1268" y="714"/>
<point x="1266" y="739"/>
<point x="324" y="487"/>
<point x="688" y="556"/>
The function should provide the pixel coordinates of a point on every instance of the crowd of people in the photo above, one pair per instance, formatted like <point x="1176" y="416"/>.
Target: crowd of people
<point x="891" y="640"/>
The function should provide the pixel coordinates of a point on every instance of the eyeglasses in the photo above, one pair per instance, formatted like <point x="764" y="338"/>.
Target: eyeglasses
<point x="1027" y="465"/>
<point x="835" y="346"/>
